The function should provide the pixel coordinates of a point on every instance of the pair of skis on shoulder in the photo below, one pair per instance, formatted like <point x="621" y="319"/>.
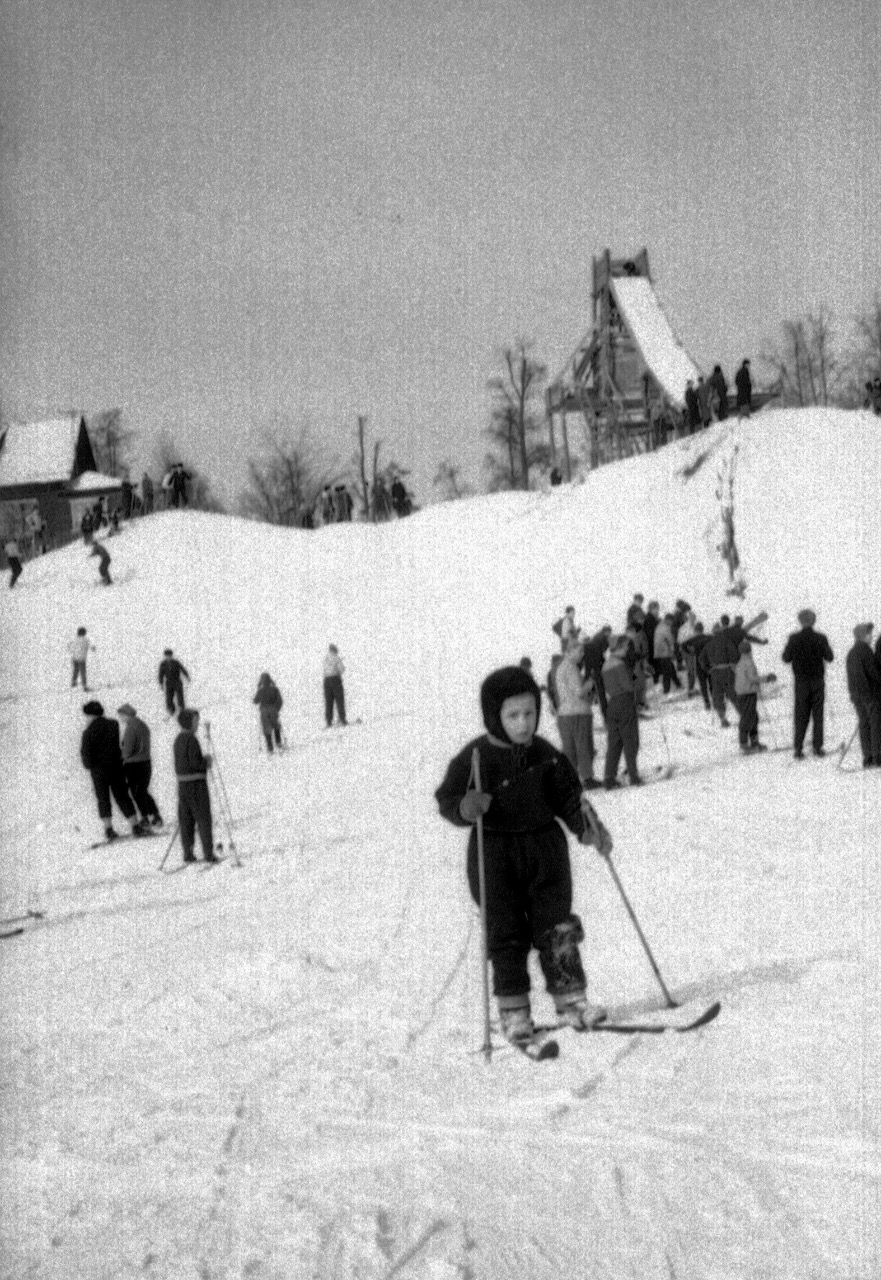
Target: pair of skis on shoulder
<point x="543" y="1047"/>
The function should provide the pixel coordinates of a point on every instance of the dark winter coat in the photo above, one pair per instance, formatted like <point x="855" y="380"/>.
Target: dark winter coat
<point x="592" y="665"/>
<point x="863" y="674"/>
<point x="99" y="747"/>
<point x="650" y="626"/>
<point x="268" y="696"/>
<point x="720" y="387"/>
<point x="170" y="671"/>
<point x="722" y="649"/>
<point x="744" y="384"/>
<point x="189" y="762"/>
<point x="531" y="787"/>
<point x="808" y="650"/>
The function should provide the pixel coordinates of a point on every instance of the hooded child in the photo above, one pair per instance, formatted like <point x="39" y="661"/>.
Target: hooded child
<point x="528" y="788"/>
<point x="268" y="698"/>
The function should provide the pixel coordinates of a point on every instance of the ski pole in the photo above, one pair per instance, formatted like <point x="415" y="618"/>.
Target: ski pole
<point x="484" y="946"/>
<point x="222" y="796"/>
<point x="843" y="751"/>
<point x="174" y="836"/>
<point x="671" y="1003"/>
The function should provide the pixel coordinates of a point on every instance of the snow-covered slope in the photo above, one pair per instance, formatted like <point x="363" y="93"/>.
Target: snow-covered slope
<point x="273" y="1071"/>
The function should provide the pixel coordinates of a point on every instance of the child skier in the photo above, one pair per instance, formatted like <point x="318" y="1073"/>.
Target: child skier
<point x="747" y="682"/>
<point x="79" y="649"/>
<point x="526" y="786"/>
<point x="268" y="698"/>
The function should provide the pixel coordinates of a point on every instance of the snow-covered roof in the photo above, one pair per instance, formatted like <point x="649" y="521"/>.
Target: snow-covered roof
<point x="39" y="452"/>
<point x="661" y="350"/>
<point x="93" y="482"/>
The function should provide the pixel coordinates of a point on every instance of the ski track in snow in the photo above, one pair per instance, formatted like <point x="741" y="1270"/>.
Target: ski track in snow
<point x="274" y="1070"/>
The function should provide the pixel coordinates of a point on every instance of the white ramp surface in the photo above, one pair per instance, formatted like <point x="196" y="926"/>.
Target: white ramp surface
<point x="660" y="348"/>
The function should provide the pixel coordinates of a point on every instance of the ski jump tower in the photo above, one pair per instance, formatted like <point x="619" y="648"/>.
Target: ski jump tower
<point x="626" y="379"/>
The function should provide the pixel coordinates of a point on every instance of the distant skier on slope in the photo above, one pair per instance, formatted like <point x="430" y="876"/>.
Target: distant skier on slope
<point x="101" y="755"/>
<point x="808" y="651"/>
<point x="334" y="693"/>
<point x="171" y="679"/>
<point x="268" y="698"/>
<point x="99" y="550"/>
<point x="193" y="798"/>
<point x="79" y="649"/>
<point x="526" y="785"/>
<point x="138" y="764"/>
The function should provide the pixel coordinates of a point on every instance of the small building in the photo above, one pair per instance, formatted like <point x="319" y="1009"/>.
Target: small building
<point x="50" y="467"/>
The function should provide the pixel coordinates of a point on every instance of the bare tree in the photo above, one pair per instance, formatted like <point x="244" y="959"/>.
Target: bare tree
<point x="868" y="328"/>
<point x="806" y="361"/>
<point x="517" y="425"/>
<point x="111" y="441"/>
<point x="284" y="483"/>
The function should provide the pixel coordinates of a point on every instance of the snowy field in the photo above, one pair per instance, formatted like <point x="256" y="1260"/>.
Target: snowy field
<point x="272" y="1071"/>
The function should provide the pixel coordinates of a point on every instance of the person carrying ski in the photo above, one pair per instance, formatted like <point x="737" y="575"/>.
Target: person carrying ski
<point x="193" y="798"/>
<point x="268" y="698"/>
<point x="334" y="693"/>
<point x="575" y="712"/>
<point x="747" y="683"/>
<point x="718" y="658"/>
<point x="101" y="755"/>
<point x="808" y="651"/>
<point x="864" y="688"/>
<point x="171" y="679"/>
<point x="13" y="559"/>
<point x="137" y="764"/>
<point x="622" y="716"/>
<point x="527" y="788"/>
<point x="79" y="649"/>
<point x="99" y="550"/>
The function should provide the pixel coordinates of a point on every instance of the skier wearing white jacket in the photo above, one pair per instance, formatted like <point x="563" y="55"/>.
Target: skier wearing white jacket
<point x="575" y="712"/>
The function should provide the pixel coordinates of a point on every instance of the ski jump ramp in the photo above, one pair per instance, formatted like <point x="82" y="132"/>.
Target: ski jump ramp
<point x="661" y="351"/>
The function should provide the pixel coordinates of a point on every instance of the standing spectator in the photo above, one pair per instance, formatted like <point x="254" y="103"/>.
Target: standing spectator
<point x="703" y="400"/>
<point x="268" y="698"/>
<point x="79" y="649"/>
<point x="683" y="635"/>
<point x="328" y="506"/>
<point x="556" y="476"/>
<point x="99" y="550"/>
<point x="808" y="651"/>
<point x="138" y="765"/>
<point x="13" y="559"/>
<point x="87" y="525"/>
<point x="649" y="626"/>
<point x="193" y="798"/>
<point x="565" y="626"/>
<point x="400" y="498"/>
<point x="747" y="683"/>
<point x="146" y="494"/>
<point x="635" y="611"/>
<point x="638" y="660"/>
<point x="180" y="478"/>
<point x="665" y="647"/>
<point x="171" y="678"/>
<point x="592" y="663"/>
<point x="334" y="693"/>
<point x="693" y="649"/>
<point x="744" y="385"/>
<point x="575" y="713"/>
<point x="864" y="687"/>
<point x="720" y="392"/>
<point x="382" y="503"/>
<point x="100" y="754"/>
<point x="622" y="717"/>
<point x="128" y="494"/>
<point x="692" y="409"/>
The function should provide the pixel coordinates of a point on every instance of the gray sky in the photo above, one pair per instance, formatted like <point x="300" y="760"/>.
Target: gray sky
<point x="216" y="213"/>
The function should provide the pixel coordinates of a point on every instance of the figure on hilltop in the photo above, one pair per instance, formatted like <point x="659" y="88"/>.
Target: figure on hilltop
<point x="526" y="785"/>
<point x="744" y="385"/>
<point x="171" y="679"/>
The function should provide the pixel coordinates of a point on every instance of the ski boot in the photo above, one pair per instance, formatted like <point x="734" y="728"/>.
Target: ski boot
<point x="516" y="1023"/>
<point x="576" y="1011"/>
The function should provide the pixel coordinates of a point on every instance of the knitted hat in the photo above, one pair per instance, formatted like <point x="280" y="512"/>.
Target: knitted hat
<point x="126" y="710"/>
<point x="863" y="630"/>
<point x="507" y="682"/>
<point x="807" y="617"/>
<point x="185" y="718"/>
<point x="93" y="709"/>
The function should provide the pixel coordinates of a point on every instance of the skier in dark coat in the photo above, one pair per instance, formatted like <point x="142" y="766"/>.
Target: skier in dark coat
<point x="592" y="664"/>
<point x="744" y="385"/>
<point x="720" y="391"/>
<point x="171" y="677"/>
<point x="808" y="651"/>
<point x="622" y="716"/>
<point x="193" y="798"/>
<point x="268" y="698"/>
<point x="695" y="645"/>
<point x="864" y="687"/>
<point x="101" y="755"/>
<point x="526" y="787"/>
<point x="138" y="764"/>
<point x="692" y="409"/>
